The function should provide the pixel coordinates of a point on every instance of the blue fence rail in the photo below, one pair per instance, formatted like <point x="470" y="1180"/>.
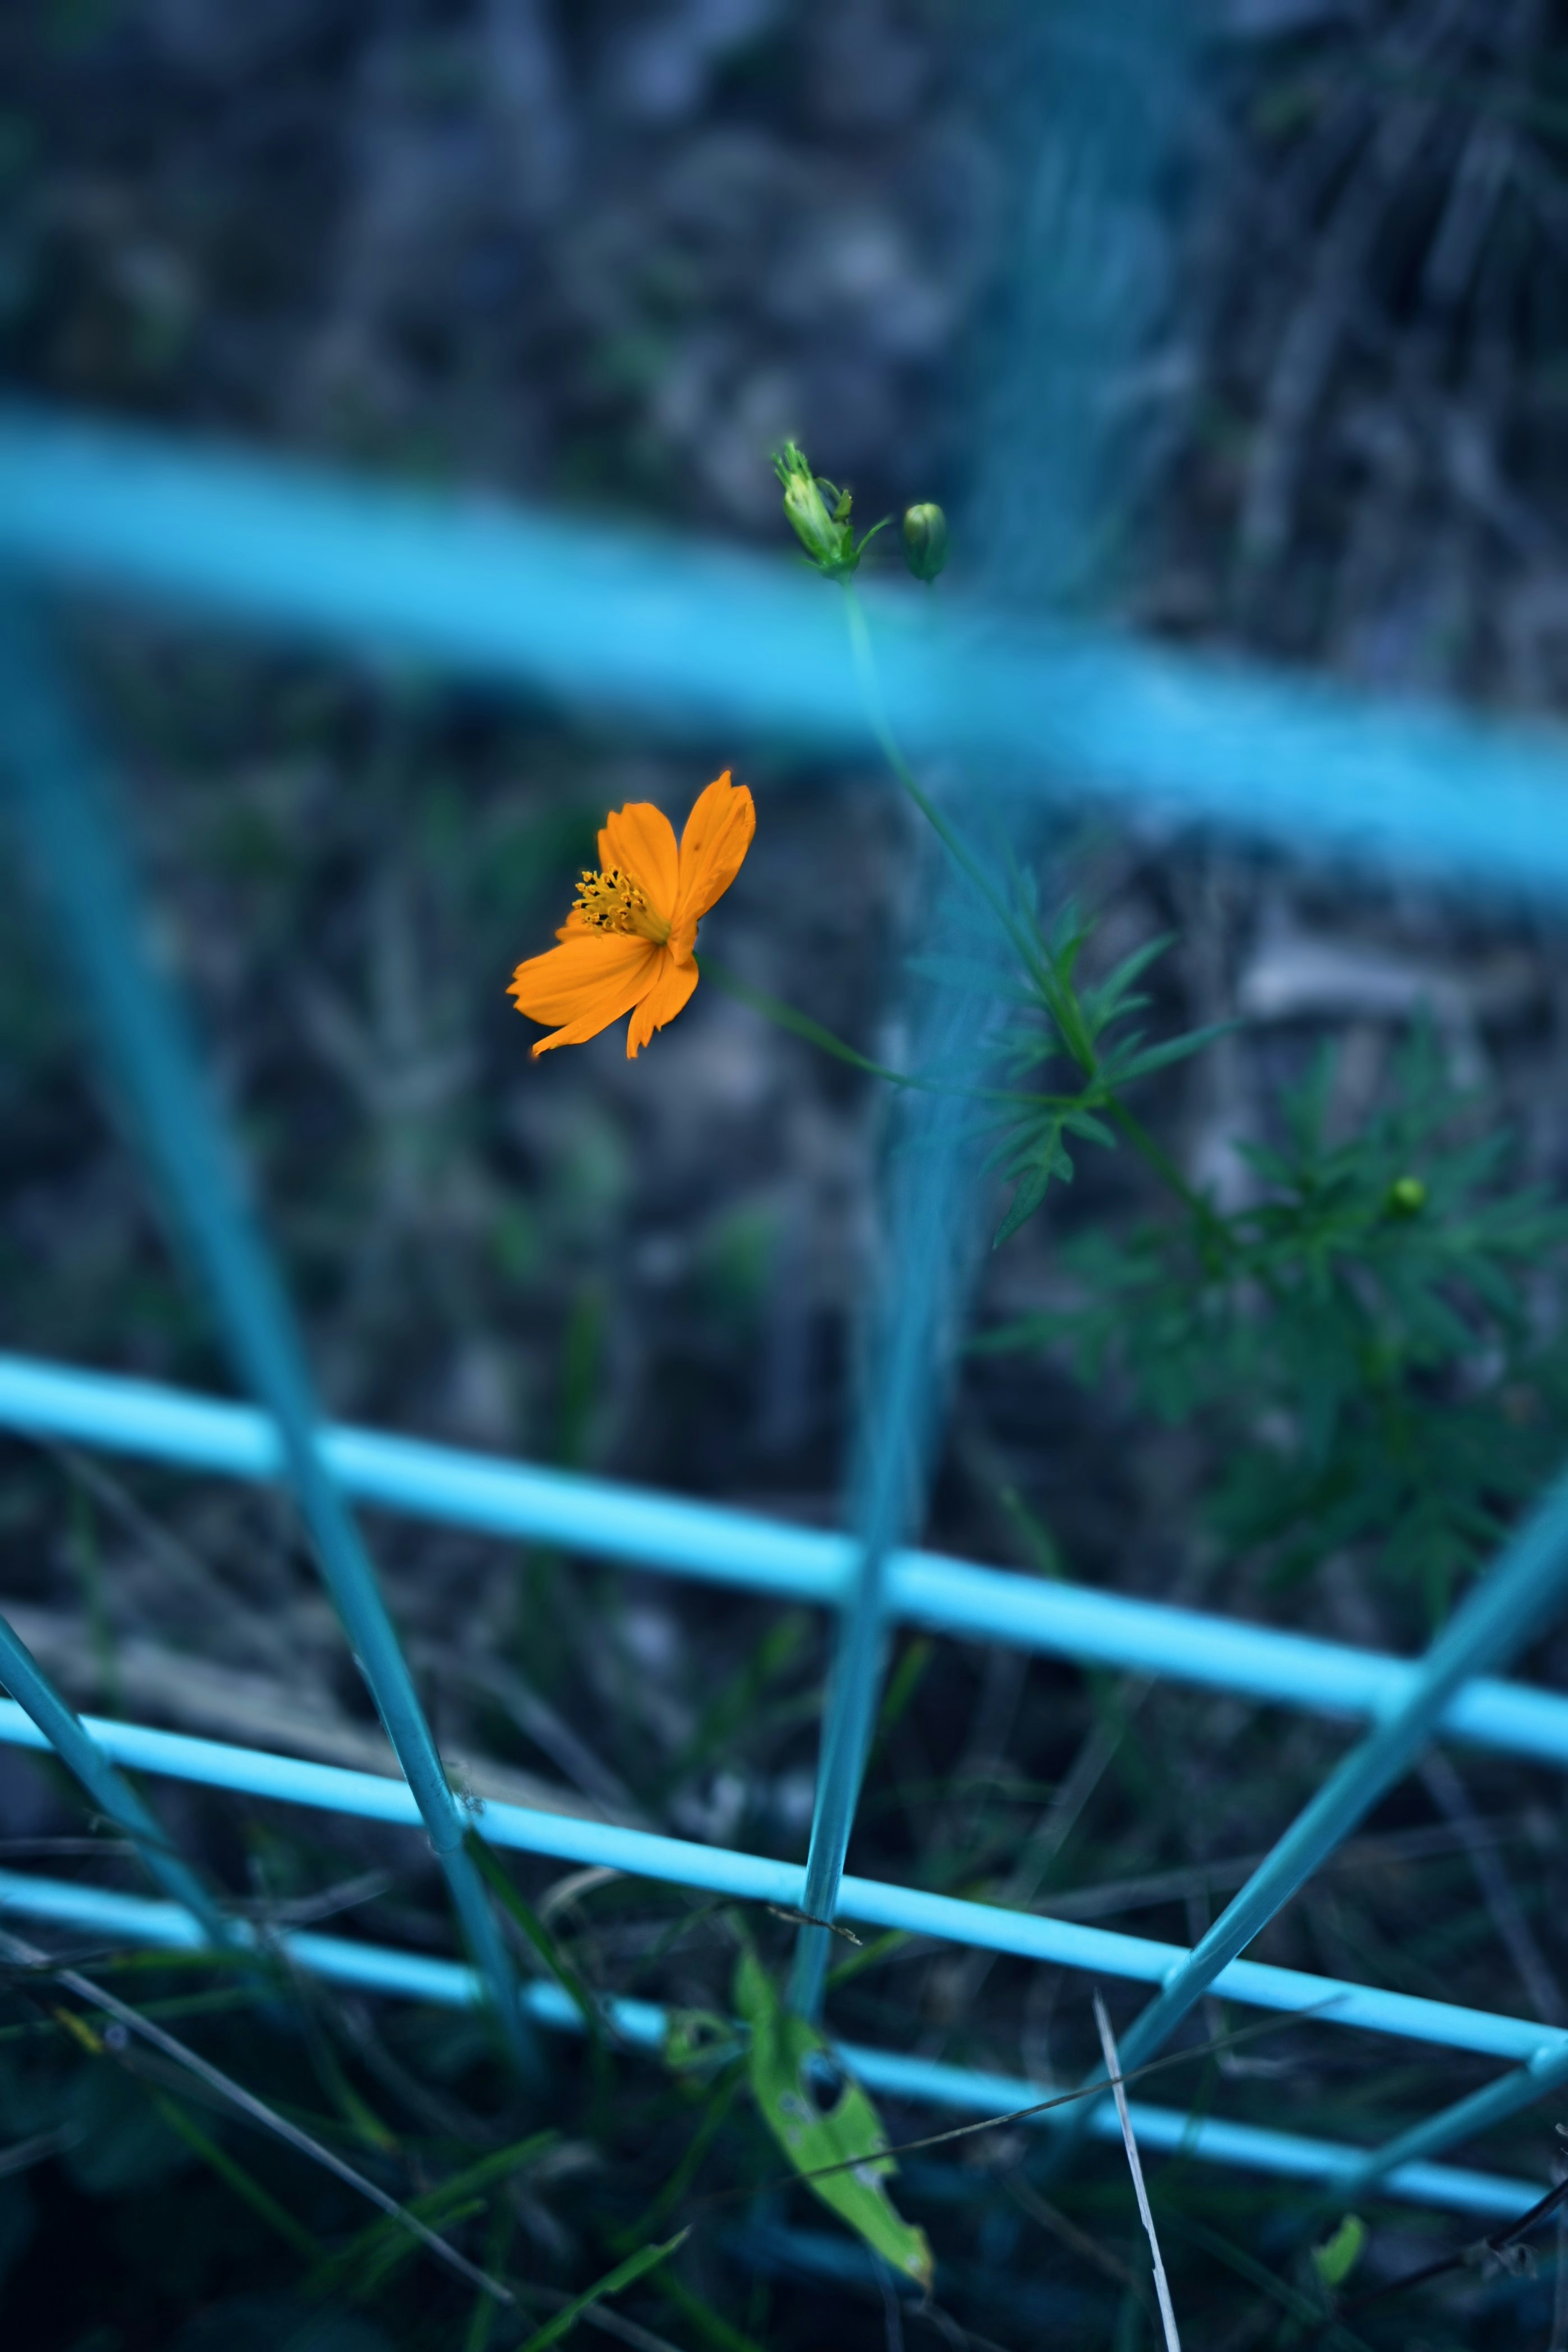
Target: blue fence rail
<point x="682" y="641"/>
<point x="694" y="644"/>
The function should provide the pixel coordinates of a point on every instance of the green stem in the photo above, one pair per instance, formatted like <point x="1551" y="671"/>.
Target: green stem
<point x="1062" y="1008"/>
<point x="801" y="1024"/>
<point x="952" y="842"/>
<point x="1157" y="1158"/>
<point x="1215" y="1243"/>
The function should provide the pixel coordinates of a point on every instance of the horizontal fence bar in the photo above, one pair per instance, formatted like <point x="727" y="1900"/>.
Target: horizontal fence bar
<point x="638" y="1527"/>
<point x="96" y="1911"/>
<point x="59" y="1727"/>
<point x="755" y="1878"/>
<point x="683" y="638"/>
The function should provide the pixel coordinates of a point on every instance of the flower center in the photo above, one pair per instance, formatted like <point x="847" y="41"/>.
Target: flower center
<point x="612" y="901"/>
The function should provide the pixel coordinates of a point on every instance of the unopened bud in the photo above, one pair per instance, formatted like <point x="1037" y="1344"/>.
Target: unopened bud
<point x="925" y="535"/>
<point x="828" y="537"/>
<point x="818" y="531"/>
<point x="1406" y="1197"/>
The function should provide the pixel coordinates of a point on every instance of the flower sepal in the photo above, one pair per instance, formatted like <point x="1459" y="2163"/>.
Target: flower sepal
<point x="826" y="532"/>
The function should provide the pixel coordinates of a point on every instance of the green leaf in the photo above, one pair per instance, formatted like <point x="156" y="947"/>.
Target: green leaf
<point x="623" y="2275"/>
<point x="1160" y="1057"/>
<point x="1110" y="998"/>
<point x="697" y="2039"/>
<point x="1034" y="1182"/>
<point x="784" y="2055"/>
<point x="1093" y="1130"/>
<point x="1337" y="2256"/>
<point x="538" y="1934"/>
<point x="383" y="2246"/>
<point x="870" y="1956"/>
<point x="244" y="2183"/>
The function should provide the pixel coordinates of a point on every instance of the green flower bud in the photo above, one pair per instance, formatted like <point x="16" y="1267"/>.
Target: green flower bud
<point x="925" y="535"/>
<point x="823" y="535"/>
<point x="1406" y="1197"/>
<point x="828" y="537"/>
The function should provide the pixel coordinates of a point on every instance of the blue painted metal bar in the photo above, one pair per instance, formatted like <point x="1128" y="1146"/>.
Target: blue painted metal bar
<point x="909" y="1336"/>
<point x="644" y="1530"/>
<point x="1467" y="2119"/>
<point x="64" y="811"/>
<point x="854" y="1689"/>
<point x="688" y="640"/>
<point x="60" y="1729"/>
<point x="1524" y="1588"/>
<point x="132" y="1920"/>
<point x="754" y="1878"/>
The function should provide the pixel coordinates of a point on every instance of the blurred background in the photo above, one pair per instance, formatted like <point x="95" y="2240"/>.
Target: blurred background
<point x="602" y="258"/>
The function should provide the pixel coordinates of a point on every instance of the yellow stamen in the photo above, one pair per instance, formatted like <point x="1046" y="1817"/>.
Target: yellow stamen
<point x="612" y="901"/>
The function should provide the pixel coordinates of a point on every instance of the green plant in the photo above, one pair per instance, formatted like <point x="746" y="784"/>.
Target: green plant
<point x="1055" y="1018"/>
<point x="1371" y="1342"/>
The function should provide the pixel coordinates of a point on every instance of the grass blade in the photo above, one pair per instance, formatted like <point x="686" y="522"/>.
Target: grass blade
<point x="622" y="2276"/>
<point x="527" y="1919"/>
<point x="377" y="2247"/>
<point x="244" y="2184"/>
<point x="28" y="1957"/>
<point x="497" y="2246"/>
<point x="1113" y="2068"/>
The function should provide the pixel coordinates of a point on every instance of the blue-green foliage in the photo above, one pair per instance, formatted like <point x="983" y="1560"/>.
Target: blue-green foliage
<point x="1373" y="1341"/>
<point x="1054" y="1019"/>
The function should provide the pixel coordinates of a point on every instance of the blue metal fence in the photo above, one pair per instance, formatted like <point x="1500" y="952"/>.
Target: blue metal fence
<point x="683" y="640"/>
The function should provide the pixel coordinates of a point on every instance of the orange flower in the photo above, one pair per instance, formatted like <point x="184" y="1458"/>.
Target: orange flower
<point x="626" y="946"/>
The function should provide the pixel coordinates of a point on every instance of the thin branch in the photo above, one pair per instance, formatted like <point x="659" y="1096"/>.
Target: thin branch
<point x="1480" y="2253"/>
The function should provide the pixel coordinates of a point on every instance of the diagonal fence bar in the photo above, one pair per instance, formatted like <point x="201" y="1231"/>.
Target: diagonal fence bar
<point x="643" y="1529"/>
<point x="693" y="641"/>
<point x="1210" y="718"/>
<point x="59" y="1723"/>
<point x="854" y="1689"/>
<point x="63" y="807"/>
<point x="651" y="1530"/>
<point x="641" y="2024"/>
<point x="1467" y="2119"/>
<point x="1512" y="1604"/>
<point x="909" y="1342"/>
<point x="1087" y="128"/>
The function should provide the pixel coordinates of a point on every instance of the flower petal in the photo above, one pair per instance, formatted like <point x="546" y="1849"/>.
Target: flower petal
<point x="712" y="846"/>
<point x="587" y="982"/>
<point x="641" y="840"/>
<point x="670" y="990"/>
